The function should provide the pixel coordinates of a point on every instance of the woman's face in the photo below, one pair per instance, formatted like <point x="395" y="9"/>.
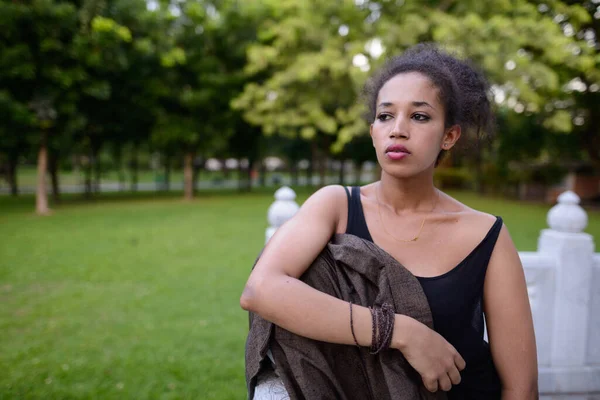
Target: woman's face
<point x="409" y="128"/>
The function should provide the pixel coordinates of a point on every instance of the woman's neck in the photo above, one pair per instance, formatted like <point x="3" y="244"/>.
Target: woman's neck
<point x="415" y="194"/>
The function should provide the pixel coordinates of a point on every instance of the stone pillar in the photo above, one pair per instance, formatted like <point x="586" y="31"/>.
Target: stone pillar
<point x="283" y="208"/>
<point x="573" y="252"/>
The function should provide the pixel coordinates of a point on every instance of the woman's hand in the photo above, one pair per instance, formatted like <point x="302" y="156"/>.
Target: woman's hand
<point x="436" y="360"/>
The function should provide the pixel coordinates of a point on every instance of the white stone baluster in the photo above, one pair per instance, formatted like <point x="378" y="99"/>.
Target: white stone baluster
<point x="573" y="252"/>
<point x="283" y="208"/>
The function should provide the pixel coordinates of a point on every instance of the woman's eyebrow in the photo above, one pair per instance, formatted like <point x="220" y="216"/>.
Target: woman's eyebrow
<point x="414" y="103"/>
<point x="422" y="103"/>
<point x="385" y="104"/>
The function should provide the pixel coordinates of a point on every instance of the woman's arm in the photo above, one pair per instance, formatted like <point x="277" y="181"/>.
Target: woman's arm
<point x="509" y="322"/>
<point x="274" y="292"/>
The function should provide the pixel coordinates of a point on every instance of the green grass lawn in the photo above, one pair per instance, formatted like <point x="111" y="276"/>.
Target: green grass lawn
<point x="137" y="297"/>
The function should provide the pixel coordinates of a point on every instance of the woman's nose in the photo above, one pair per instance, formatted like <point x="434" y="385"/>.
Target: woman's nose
<point x="399" y="129"/>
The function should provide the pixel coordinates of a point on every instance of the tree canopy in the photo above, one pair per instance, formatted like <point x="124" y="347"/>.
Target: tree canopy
<point x="209" y="77"/>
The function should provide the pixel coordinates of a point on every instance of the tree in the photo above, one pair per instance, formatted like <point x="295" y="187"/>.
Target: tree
<point x="39" y="68"/>
<point x="522" y="49"/>
<point x="580" y="20"/>
<point x="119" y="45"/>
<point x="206" y="71"/>
<point x="16" y="124"/>
<point x="317" y="62"/>
<point x="307" y="82"/>
<point x="245" y="142"/>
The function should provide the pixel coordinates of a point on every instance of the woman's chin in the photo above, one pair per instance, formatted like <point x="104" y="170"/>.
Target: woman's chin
<point x="406" y="171"/>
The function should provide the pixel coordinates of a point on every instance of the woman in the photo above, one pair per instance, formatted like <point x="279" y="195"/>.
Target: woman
<point x="465" y="260"/>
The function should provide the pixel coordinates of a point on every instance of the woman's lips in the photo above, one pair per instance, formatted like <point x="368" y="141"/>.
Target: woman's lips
<point x="396" y="155"/>
<point x="396" y="152"/>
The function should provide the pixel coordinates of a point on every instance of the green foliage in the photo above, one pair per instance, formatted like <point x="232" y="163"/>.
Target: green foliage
<point x="191" y="76"/>
<point x="311" y="85"/>
<point x="103" y="25"/>
<point x="39" y="67"/>
<point x="314" y="63"/>
<point x="174" y="57"/>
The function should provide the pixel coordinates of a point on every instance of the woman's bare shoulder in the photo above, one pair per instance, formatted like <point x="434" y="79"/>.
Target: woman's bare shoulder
<point x="329" y="202"/>
<point x="461" y="212"/>
<point x="332" y="194"/>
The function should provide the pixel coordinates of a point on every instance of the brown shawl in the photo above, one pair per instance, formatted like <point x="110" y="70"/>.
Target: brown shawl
<point x="355" y="270"/>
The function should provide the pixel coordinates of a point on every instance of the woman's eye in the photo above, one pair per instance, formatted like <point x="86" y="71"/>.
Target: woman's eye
<point x="383" y="117"/>
<point x="421" y="117"/>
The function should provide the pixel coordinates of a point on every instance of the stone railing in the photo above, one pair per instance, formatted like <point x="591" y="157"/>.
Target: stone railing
<point x="563" y="282"/>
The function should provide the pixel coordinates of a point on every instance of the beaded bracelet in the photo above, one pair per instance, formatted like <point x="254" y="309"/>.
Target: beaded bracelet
<point x="383" y="327"/>
<point x="352" y="326"/>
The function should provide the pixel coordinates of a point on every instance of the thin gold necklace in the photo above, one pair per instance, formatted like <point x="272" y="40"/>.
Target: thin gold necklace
<point x="383" y="225"/>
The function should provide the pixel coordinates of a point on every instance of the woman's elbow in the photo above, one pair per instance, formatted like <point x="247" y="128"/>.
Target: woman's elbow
<point x="250" y="295"/>
<point x="246" y="299"/>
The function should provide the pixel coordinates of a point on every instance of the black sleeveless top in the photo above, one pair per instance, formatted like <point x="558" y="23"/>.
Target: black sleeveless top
<point x="455" y="299"/>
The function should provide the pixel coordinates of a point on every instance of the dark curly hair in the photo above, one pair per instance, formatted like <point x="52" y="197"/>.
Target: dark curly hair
<point x="463" y="90"/>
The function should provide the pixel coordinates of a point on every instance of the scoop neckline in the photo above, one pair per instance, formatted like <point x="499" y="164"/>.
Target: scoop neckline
<point x="430" y="278"/>
<point x="457" y="267"/>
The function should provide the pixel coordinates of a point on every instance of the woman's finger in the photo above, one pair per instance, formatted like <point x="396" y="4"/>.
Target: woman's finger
<point x="454" y="376"/>
<point x="460" y="362"/>
<point x="431" y="385"/>
<point x="444" y="383"/>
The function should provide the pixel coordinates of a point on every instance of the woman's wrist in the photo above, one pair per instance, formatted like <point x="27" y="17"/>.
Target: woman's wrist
<point x="403" y="326"/>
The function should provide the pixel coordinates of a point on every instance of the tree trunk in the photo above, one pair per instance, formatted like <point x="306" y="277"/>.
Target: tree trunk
<point x="323" y="170"/>
<point x="294" y="172"/>
<point x="53" y="169"/>
<point x="226" y="171"/>
<point x="342" y="172"/>
<point x="590" y="141"/>
<point x="262" y="170"/>
<point x="240" y="178"/>
<point x="590" y="134"/>
<point x="41" y="198"/>
<point x="97" y="168"/>
<point x="324" y="159"/>
<point x="309" y="173"/>
<point x="167" y="182"/>
<point x="244" y="176"/>
<point x="357" y="176"/>
<point x="134" y="170"/>
<point x="249" y="176"/>
<point x="195" y="177"/>
<point x="11" y="174"/>
<point x="88" y="175"/>
<point x="88" y="181"/>
<point x="188" y="179"/>
<point x="314" y="159"/>
<point x="120" y="171"/>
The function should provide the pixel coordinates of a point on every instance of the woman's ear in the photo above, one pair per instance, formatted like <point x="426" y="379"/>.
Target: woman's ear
<point x="451" y="137"/>
<point x="371" y="133"/>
